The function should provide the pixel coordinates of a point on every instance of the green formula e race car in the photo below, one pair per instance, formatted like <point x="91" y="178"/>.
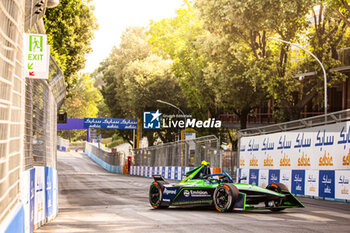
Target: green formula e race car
<point x="200" y="188"/>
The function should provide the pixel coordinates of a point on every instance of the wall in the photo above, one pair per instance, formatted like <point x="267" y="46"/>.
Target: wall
<point x="111" y="161"/>
<point x="62" y="144"/>
<point x="311" y="162"/>
<point x="38" y="201"/>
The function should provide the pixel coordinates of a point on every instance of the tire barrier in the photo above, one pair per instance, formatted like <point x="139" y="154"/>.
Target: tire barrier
<point x="38" y="201"/>
<point x="326" y="184"/>
<point x="169" y="173"/>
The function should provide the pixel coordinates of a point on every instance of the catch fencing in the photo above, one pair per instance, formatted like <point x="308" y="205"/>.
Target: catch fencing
<point x="28" y="111"/>
<point x="186" y="153"/>
<point x="11" y="103"/>
<point x="230" y="162"/>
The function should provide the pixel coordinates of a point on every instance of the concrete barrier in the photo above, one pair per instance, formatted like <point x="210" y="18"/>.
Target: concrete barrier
<point x="62" y="144"/>
<point x="111" y="161"/>
<point x="38" y="203"/>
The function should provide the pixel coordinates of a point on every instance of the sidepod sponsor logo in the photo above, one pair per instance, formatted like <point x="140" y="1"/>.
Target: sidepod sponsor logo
<point x="187" y="193"/>
<point x="196" y="193"/>
<point x="167" y="191"/>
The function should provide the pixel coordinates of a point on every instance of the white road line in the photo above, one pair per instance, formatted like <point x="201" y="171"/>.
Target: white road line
<point x="332" y="213"/>
<point x="309" y="217"/>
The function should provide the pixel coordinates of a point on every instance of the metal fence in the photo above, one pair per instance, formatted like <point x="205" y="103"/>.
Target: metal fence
<point x="41" y="118"/>
<point x="230" y="162"/>
<point x="28" y="108"/>
<point x="330" y="118"/>
<point x="11" y="102"/>
<point x="188" y="153"/>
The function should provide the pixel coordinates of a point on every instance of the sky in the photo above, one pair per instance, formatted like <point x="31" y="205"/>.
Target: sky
<point x="114" y="16"/>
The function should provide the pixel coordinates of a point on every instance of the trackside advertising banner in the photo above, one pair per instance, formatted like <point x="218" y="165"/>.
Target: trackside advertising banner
<point x="319" y="148"/>
<point x="312" y="161"/>
<point x="39" y="200"/>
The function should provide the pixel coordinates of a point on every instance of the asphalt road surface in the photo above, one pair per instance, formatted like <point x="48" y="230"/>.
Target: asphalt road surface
<point x="93" y="200"/>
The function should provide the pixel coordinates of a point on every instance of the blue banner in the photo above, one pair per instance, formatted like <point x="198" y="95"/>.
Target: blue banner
<point x="48" y="192"/>
<point x="169" y="172"/>
<point x="298" y="182"/>
<point x="274" y="176"/>
<point x="176" y="173"/>
<point x="254" y="176"/>
<point x="32" y="200"/>
<point x="110" y="123"/>
<point x="326" y="184"/>
<point x="183" y="171"/>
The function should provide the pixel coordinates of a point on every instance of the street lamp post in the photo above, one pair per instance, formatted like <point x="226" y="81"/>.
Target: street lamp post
<point x="174" y="106"/>
<point x="323" y="69"/>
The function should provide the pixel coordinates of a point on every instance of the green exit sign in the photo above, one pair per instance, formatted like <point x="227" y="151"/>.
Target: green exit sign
<point x="36" y="56"/>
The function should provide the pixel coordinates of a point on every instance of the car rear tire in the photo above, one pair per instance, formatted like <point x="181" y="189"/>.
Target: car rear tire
<point x="156" y="195"/>
<point x="278" y="188"/>
<point x="225" y="197"/>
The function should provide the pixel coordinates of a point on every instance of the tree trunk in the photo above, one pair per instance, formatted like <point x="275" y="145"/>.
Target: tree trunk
<point x="243" y="118"/>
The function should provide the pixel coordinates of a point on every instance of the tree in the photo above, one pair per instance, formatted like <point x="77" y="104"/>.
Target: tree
<point x="83" y="102"/>
<point x="178" y="38"/>
<point x="341" y="8"/>
<point x="133" y="46"/>
<point x="242" y="63"/>
<point x="134" y="78"/>
<point x="69" y="28"/>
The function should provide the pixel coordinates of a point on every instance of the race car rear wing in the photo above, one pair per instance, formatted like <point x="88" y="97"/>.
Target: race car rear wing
<point x="159" y="178"/>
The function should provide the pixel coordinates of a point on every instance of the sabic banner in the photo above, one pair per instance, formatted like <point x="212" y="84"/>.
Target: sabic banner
<point x="318" y="148"/>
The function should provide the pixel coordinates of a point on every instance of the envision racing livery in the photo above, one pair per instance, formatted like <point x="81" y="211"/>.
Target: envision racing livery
<point x="200" y="188"/>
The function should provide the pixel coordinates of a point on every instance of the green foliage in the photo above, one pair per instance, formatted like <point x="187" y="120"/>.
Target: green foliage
<point x="69" y="28"/>
<point x="83" y="102"/>
<point x="134" y="78"/>
<point x="241" y="62"/>
<point x="178" y="38"/>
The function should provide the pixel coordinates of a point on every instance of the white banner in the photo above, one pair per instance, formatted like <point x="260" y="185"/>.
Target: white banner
<point x="311" y="182"/>
<point x="25" y="198"/>
<point x="263" y="178"/>
<point x="342" y="185"/>
<point x="244" y="175"/>
<point x="286" y="178"/>
<point x="317" y="148"/>
<point x="39" y="207"/>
